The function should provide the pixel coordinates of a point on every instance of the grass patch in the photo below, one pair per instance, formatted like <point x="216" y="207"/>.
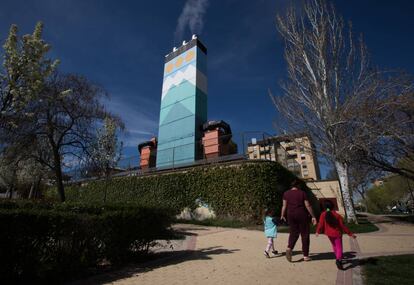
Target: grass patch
<point x="355" y="228"/>
<point x="224" y="223"/>
<point x="388" y="270"/>
<point x="363" y="226"/>
<point x="405" y="219"/>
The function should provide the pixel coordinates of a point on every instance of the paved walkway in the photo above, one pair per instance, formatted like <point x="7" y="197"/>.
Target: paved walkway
<point x="211" y="255"/>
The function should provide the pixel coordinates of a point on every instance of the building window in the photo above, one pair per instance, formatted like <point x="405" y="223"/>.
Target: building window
<point x="302" y="156"/>
<point x="304" y="166"/>
<point x="291" y="165"/>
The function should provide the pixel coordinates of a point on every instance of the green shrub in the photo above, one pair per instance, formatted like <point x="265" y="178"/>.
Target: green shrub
<point x="53" y="242"/>
<point x="238" y="191"/>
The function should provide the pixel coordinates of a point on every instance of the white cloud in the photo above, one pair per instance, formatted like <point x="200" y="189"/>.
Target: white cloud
<point x="140" y="123"/>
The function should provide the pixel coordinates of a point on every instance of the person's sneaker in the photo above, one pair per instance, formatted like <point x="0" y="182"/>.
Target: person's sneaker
<point x="289" y="254"/>
<point x="275" y="252"/>
<point x="266" y="254"/>
<point x="339" y="264"/>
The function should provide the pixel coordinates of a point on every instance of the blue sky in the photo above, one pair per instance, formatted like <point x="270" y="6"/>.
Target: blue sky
<point x="121" y="45"/>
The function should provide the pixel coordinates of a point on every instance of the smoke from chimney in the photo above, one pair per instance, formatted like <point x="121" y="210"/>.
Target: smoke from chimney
<point x="191" y="15"/>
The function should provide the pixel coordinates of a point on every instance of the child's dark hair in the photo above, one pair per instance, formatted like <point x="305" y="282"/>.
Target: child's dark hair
<point x="270" y="211"/>
<point x="329" y="217"/>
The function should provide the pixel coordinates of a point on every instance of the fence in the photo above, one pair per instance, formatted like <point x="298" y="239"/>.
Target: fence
<point x="244" y="145"/>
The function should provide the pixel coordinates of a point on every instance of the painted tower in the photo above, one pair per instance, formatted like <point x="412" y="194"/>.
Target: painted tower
<point x="183" y="105"/>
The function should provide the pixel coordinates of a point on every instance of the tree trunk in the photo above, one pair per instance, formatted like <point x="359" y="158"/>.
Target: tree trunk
<point x="59" y="176"/>
<point x="364" y="199"/>
<point x="342" y="170"/>
<point x="37" y="188"/>
<point x="10" y="191"/>
<point x="106" y="188"/>
<point x="32" y="189"/>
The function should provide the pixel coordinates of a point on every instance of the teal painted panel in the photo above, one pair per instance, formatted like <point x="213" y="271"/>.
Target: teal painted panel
<point x="175" y="130"/>
<point x="178" y="93"/>
<point x="179" y="141"/>
<point x="165" y="157"/>
<point x="184" y="153"/>
<point x="178" y="111"/>
<point x="180" y="154"/>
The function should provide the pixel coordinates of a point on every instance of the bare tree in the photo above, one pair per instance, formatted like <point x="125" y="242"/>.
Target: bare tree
<point x="361" y="177"/>
<point x="383" y="129"/>
<point x="329" y="76"/>
<point x="63" y="126"/>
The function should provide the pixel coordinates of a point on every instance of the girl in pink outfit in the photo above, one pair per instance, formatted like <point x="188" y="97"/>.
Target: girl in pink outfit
<point x="332" y="225"/>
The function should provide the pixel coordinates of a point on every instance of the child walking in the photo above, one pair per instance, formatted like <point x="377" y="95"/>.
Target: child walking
<point x="270" y="230"/>
<point x="332" y="225"/>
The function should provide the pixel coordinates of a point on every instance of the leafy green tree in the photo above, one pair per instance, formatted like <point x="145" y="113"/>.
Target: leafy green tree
<point x="378" y="199"/>
<point x="394" y="190"/>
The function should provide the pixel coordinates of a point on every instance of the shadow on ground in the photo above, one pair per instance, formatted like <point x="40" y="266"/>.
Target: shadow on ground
<point x="159" y="260"/>
<point x="348" y="256"/>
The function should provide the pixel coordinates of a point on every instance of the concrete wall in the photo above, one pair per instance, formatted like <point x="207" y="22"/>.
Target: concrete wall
<point x="328" y="189"/>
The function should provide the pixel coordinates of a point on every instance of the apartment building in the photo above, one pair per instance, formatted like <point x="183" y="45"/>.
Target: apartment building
<point x="295" y="152"/>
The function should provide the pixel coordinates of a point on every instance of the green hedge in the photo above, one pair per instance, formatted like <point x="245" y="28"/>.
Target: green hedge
<point x="54" y="242"/>
<point x="237" y="191"/>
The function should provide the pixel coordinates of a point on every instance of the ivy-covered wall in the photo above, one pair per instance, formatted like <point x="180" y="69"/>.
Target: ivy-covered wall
<point x="239" y="190"/>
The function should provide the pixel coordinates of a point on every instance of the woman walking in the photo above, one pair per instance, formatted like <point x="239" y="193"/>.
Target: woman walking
<point x="296" y="203"/>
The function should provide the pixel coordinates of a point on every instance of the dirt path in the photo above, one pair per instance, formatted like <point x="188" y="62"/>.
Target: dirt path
<point x="211" y="255"/>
